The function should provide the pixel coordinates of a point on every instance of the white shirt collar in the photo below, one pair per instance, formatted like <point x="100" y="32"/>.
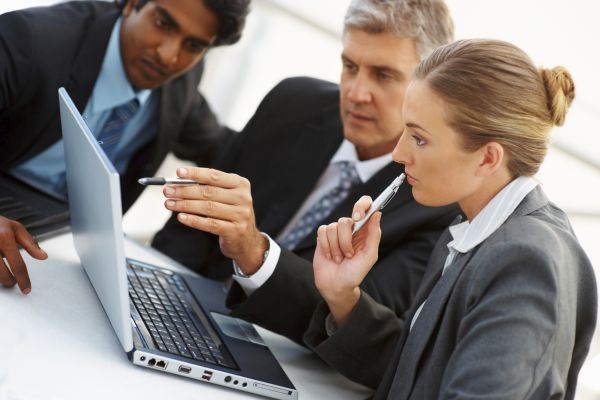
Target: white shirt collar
<point x="112" y="87"/>
<point x="468" y="235"/>
<point x="367" y="168"/>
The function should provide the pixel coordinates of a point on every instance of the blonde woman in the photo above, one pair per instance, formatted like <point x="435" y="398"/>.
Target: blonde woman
<point x="507" y="307"/>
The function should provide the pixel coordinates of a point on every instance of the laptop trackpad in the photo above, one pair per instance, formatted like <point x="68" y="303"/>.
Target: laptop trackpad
<point x="237" y="328"/>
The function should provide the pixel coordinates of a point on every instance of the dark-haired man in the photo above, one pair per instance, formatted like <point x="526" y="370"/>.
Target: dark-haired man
<point x="132" y="68"/>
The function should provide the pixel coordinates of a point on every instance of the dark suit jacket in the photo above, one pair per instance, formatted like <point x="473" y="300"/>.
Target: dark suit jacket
<point x="511" y="319"/>
<point x="42" y="49"/>
<point x="283" y="151"/>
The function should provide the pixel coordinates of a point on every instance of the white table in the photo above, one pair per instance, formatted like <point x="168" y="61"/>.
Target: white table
<point x="57" y="343"/>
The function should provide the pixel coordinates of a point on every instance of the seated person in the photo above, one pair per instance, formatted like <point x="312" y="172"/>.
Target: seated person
<point x="299" y="151"/>
<point x="132" y="68"/>
<point x="507" y="308"/>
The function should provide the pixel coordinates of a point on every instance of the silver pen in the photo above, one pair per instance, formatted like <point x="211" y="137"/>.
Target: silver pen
<point x="166" y="181"/>
<point x="381" y="201"/>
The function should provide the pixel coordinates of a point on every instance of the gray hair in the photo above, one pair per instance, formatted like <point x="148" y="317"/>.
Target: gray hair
<point x="428" y="22"/>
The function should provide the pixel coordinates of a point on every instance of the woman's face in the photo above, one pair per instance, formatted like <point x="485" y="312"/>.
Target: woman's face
<point x="437" y="167"/>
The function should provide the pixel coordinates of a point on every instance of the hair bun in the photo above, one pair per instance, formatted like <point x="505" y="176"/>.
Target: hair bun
<point x="560" y="92"/>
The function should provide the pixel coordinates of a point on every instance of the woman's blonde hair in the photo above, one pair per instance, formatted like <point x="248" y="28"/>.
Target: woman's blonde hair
<point x="494" y="93"/>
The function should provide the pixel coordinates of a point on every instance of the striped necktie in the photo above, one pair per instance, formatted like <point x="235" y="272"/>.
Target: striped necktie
<point x="323" y="207"/>
<point x="112" y="131"/>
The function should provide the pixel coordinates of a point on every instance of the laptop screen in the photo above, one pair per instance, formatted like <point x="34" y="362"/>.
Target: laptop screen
<point x="96" y="222"/>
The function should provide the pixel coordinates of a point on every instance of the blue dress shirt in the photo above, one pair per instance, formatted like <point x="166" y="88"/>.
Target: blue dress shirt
<point x="112" y="88"/>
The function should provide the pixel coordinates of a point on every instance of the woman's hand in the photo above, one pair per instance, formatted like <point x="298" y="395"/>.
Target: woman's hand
<point x="342" y="261"/>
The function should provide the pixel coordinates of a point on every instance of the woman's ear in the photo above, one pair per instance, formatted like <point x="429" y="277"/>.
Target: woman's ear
<point x="492" y="158"/>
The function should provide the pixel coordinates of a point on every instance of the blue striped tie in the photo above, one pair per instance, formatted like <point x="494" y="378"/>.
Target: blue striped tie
<point x="109" y="136"/>
<point x="112" y="130"/>
<point x="323" y="207"/>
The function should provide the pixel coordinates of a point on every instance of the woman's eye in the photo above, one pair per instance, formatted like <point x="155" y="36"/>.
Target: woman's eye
<point x="419" y="140"/>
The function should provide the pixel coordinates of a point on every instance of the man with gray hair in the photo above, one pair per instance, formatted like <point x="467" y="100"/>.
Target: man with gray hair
<point x="311" y="150"/>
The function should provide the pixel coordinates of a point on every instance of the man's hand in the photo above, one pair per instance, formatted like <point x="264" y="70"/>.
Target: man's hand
<point x="12" y="267"/>
<point x="342" y="261"/>
<point x="222" y="205"/>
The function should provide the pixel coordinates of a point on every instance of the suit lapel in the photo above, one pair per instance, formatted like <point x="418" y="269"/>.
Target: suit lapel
<point x="425" y="327"/>
<point x="301" y="164"/>
<point x="88" y="61"/>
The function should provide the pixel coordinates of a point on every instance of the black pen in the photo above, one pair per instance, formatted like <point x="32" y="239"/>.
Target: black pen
<point x="166" y="181"/>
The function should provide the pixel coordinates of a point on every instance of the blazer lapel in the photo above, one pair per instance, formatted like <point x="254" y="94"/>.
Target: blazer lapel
<point x="424" y="327"/>
<point x="88" y="61"/>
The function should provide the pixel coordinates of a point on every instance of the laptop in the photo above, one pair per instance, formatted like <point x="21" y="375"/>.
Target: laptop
<point x="165" y="321"/>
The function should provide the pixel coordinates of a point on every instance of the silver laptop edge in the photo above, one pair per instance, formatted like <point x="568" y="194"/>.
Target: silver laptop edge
<point x="103" y="258"/>
<point x="94" y="229"/>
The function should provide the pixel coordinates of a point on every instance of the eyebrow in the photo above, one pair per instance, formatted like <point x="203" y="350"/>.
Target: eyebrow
<point x="379" y="68"/>
<point x="416" y="126"/>
<point x="165" y="14"/>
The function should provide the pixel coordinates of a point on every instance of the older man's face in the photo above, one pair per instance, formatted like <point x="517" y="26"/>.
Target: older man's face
<point x="376" y="71"/>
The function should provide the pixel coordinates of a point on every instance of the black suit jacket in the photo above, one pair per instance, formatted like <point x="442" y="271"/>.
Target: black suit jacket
<point x="283" y="151"/>
<point x="42" y="49"/>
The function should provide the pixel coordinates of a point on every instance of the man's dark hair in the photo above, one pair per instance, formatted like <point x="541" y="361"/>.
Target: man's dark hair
<point x="231" y="13"/>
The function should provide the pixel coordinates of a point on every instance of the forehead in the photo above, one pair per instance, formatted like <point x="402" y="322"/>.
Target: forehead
<point x="380" y="49"/>
<point x="192" y="17"/>
<point x="423" y="107"/>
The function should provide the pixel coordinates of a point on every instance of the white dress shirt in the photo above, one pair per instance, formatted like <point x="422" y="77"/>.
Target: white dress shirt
<point x="330" y="177"/>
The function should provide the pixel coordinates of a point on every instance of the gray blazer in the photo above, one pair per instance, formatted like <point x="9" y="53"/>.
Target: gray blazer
<point x="511" y="319"/>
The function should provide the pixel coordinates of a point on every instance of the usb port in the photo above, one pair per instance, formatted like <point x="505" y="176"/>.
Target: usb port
<point x="184" y="369"/>
<point x="206" y="377"/>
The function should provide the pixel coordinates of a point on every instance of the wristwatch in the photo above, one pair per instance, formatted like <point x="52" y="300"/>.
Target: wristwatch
<point x="238" y="271"/>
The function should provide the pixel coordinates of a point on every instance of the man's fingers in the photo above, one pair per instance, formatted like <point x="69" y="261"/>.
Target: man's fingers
<point x="361" y="207"/>
<point x="236" y="196"/>
<point x="210" y="225"/>
<point x="6" y="277"/>
<point x="211" y="209"/>
<point x="28" y="242"/>
<point x="17" y="266"/>
<point x="212" y="177"/>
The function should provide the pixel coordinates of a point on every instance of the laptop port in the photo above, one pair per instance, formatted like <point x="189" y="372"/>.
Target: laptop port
<point x="206" y="377"/>
<point x="161" y="364"/>
<point x="152" y="362"/>
<point x="184" y="369"/>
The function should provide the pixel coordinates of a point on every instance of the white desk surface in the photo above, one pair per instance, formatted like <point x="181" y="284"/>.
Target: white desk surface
<point x="57" y="343"/>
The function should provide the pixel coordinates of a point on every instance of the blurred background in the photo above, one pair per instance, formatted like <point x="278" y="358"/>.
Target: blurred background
<point x="288" y="38"/>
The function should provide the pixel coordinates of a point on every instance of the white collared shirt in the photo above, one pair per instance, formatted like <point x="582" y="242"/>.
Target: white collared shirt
<point x="467" y="235"/>
<point x="330" y="177"/>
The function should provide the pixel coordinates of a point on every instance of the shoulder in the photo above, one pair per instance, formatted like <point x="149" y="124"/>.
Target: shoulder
<point x="53" y="24"/>
<point x="304" y="94"/>
<point x="540" y="244"/>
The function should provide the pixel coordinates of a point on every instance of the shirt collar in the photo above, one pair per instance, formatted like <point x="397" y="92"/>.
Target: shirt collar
<point x="365" y="169"/>
<point x="112" y="87"/>
<point x="468" y="235"/>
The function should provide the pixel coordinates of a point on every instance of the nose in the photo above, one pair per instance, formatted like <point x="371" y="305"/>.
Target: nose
<point x="168" y="51"/>
<point x="401" y="153"/>
<point x="359" y="90"/>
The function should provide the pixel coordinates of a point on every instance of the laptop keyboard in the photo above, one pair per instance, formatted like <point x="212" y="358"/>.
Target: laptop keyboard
<point x="160" y="300"/>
